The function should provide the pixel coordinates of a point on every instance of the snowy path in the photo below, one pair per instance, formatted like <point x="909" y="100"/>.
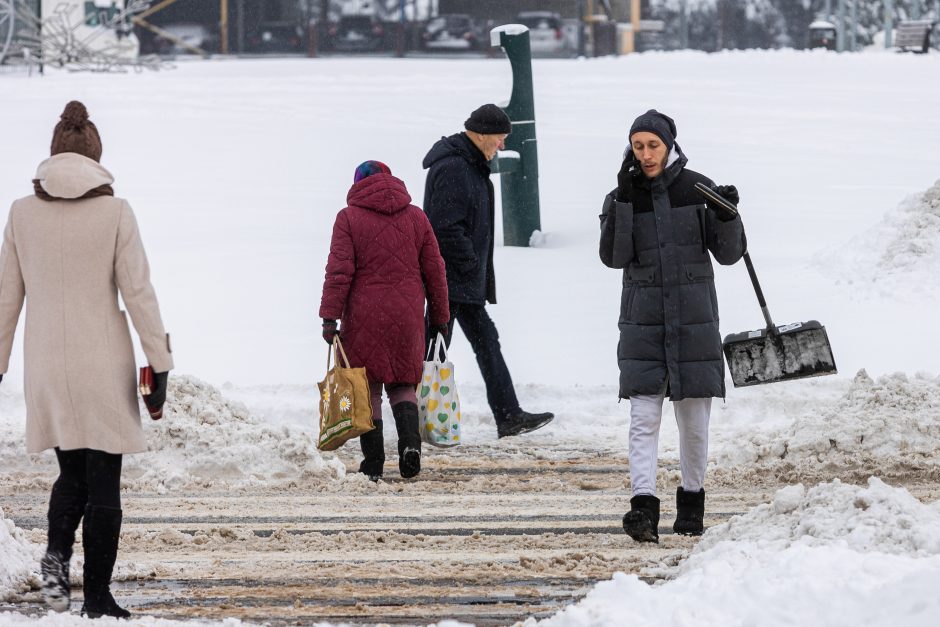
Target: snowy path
<point x="488" y="543"/>
<point x="484" y="541"/>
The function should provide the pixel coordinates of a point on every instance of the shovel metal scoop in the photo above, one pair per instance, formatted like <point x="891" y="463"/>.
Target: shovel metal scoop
<point x="791" y="351"/>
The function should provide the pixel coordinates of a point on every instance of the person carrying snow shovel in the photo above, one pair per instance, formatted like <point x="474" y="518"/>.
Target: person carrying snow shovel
<point x="656" y="227"/>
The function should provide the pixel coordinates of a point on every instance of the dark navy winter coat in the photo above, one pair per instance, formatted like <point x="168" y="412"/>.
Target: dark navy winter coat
<point x="661" y="237"/>
<point x="383" y="265"/>
<point x="460" y="204"/>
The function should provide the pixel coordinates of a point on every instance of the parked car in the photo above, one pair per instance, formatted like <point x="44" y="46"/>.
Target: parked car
<point x="546" y="34"/>
<point x="192" y="34"/>
<point x="451" y="32"/>
<point x="357" y="33"/>
<point x="822" y="34"/>
<point x="276" y="38"/>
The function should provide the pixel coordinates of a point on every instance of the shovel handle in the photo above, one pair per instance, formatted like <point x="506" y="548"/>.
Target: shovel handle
<point x="713" y="196"/>
<point x="760" y="293"/>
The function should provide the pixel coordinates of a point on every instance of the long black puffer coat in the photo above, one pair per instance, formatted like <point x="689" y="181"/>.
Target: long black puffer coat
<point x="661" y="236"/>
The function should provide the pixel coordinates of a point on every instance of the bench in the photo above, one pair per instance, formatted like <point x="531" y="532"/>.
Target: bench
<point x="913" y="36"/>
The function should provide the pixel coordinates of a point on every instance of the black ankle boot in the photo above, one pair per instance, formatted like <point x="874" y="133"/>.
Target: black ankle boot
<point x="66" y="507"/>
<point x="642" y="521"/>
<point x="373" y="450"/>
<point x="409" y="440"/>
<point x="101" y="533"/>
<point x="690" y="512"/>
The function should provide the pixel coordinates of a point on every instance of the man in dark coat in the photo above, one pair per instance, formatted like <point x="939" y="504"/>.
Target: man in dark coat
<point x="459" y="202"/>
<point x="658" y="229"/>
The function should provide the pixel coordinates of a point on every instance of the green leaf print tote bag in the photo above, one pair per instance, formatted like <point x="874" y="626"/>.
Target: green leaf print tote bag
<point x="438" y="403"/>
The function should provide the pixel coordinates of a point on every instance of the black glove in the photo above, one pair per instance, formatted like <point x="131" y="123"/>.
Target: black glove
<point x="729" y="193"/>
<point x="329" y="330"/>
<point x="157" y="397"/>
<point x="625" y="179"/>
<point x="434" y="329"/>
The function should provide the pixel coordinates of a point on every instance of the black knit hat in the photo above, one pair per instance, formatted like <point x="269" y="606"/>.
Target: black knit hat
<point x="657" y="123"/>
<point x="489" y="120"/>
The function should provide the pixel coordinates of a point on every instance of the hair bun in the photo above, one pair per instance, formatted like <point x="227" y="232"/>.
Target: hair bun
<point x="75" y="114"/>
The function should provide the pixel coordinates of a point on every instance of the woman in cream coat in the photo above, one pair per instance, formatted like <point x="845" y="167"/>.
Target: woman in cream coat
<point x="68" y="250"/>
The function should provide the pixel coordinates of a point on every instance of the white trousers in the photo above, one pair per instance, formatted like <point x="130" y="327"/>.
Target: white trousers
<point x="646" y="413"/>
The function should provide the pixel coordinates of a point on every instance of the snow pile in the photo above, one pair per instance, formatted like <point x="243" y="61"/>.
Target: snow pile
<point x="205" y="439"/>
<point x="894" y="420"/>
<point x="899" y="257"/>
<point x="19" y="560"/>
<point x="873" y="518"/>
<point x="832" y="555"/>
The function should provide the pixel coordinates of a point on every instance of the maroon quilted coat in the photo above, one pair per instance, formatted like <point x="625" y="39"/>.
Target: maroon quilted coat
<point x="384" y="261"/>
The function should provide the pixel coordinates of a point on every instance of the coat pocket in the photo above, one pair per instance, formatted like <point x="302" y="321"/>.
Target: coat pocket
<point x="640" y="274"/>
<point x="696" y="272"/>
<point x="634" y="277"/>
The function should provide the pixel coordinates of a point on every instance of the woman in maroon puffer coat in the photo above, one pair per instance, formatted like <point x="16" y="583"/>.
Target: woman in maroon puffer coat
<point x="384" y="262"/>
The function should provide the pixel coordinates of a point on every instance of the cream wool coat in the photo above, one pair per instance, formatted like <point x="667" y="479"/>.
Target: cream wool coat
<point x="68" y="259"/>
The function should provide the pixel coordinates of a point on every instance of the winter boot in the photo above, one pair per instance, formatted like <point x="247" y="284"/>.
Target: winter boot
<point x="409" y="440"/>
<point x="690" y="512"/>
<point x="66" y="507"/>
<point x="373" y="449"/>
<point x="55" y="581"/>
<point x="642" y="521"/>
<point x="521" y="421"/>
<point x="101" y="532"/>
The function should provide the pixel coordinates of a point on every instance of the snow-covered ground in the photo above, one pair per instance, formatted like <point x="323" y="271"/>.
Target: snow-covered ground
<point x="236" y="169"/>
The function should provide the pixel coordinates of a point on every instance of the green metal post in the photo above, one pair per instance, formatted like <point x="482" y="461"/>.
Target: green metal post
<point x="519" y="165"/>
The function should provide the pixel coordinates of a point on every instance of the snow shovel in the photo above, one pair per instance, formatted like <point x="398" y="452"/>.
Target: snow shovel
<point x="791" y="351"/>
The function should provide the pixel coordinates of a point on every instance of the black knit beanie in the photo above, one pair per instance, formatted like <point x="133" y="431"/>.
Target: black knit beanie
<point x="657" y="123"/>
<point x="489" y="120"/>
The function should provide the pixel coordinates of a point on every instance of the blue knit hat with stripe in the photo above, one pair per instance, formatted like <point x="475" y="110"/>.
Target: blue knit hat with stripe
<point x="368" y="168"/>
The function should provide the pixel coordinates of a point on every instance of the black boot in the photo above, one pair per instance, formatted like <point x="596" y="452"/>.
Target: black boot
<point x="409" y="440"/>
<point x="55" y="581"/>
<point x="66" y="507"/>
<point x="521" y="421"/>
<point x="373" y="449"/>
<point x="101" y="532"/>
<point x="690" y="512"/>
<point x="642" y="521"/>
